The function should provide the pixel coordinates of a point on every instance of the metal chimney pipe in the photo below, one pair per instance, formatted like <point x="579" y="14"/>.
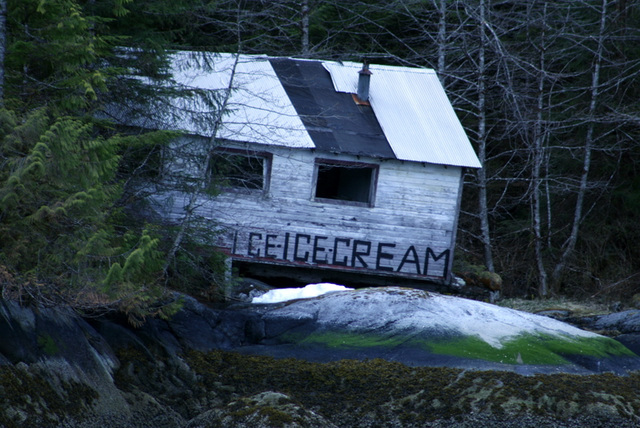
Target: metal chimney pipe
<point x="363" y="81"/>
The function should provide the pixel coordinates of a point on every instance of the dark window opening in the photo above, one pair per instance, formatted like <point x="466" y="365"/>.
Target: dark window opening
<point x="353" y="183"/>
<point x="238" y="171"/>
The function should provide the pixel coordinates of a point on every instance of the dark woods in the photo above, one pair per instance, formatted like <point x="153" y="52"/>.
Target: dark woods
<point x="546" y="91"/>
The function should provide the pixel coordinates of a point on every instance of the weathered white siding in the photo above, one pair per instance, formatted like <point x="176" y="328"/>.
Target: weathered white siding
<point x="410" y="230"/>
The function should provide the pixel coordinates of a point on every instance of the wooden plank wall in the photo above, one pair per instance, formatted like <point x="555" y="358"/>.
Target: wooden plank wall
<point x="409" y="231"/>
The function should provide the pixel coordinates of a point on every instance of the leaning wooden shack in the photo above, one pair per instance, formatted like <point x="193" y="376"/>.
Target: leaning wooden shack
<point x="321" y="169"/>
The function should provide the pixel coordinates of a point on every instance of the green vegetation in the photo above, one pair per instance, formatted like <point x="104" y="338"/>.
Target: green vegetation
<point x="524" y="349"/>
<point x="268" y="412"/>
<point x="48" y="344"/>
<point x="532" y="349"/>
<point x="342" y="339"/>
<point x="64" y="240"/>
<point x="68" y="235"/>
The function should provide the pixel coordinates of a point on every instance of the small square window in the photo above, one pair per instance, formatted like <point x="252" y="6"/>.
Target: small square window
<point x="345" y="181"/>
<point x="230" y="170"/>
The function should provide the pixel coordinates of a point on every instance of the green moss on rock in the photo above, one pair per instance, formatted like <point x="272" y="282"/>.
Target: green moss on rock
<point x="532" y="349"/>
<point x="266" y="409"/>
<point x="340" y="339"/>
<point x="349" y="392"/>
<point x="28" y="399"/>
<point x="48" y="344"/>
<point x="528" y="348"/>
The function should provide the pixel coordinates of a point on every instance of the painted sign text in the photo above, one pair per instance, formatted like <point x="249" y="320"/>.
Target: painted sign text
<point x="342" y="252"/>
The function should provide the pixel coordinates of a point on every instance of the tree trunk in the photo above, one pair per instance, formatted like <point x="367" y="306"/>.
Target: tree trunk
<point x="482" y="145"/>
<point x="442" y="39"/>
<point x="194" y="194"/>
<point x="538" y="159"/>
<point x="3" y="45"/>
<point x="304" y="23"/>
<point x="570" y="243"/>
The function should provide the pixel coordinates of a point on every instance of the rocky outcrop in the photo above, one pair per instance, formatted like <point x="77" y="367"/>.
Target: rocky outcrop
<point x="624" y="326"/>
<point x="60" y="369"/>
<point x="53" y="357"/>
<point x="419" y="328"/>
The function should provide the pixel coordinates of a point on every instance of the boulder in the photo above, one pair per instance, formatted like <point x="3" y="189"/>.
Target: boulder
<point x="266" y="409"/>
<point x="624" y="322"/>
<point x="421" y="328"/>
<point x="624" y="326"/>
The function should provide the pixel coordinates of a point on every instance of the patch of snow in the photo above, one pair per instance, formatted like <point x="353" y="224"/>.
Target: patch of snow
<point x="312" y="290"/>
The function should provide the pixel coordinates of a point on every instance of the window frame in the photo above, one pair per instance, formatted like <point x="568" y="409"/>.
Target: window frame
<point x="267" y="159"/>
<point x="373" y="183"/>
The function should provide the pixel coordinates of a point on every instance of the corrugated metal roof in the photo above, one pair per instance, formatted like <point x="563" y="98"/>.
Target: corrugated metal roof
<point x="258" y="111"/>
<point x="265" y="107"/>
<point x="414" y="112"/>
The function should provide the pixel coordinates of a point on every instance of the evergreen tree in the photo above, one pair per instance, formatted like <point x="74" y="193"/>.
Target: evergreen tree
<point x="3" y="45"/>
<point x="65" y="238"/>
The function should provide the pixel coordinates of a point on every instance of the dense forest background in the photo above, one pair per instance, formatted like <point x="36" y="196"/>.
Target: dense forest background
<point x="547" y="91"/>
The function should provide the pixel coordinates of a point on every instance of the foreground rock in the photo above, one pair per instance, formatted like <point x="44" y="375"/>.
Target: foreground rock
<point x="427" y="329"/>
<point x="624" y="326"/>
<point x="265" y="409"/>
<point x="58" y="369"/>
<point x="377" y="393"/>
